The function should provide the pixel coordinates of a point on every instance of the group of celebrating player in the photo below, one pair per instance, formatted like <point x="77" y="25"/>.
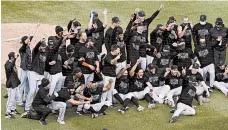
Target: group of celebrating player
<point x="162" y="70"/>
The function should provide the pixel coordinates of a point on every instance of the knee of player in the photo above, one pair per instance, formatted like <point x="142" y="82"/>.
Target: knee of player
<point x="86" y="106"/>
<point x="114" y="91"/>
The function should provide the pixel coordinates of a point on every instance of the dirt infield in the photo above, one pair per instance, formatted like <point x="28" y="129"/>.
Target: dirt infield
<point x="17" y="30"/>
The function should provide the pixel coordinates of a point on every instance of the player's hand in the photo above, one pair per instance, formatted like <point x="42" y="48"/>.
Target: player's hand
<point x="219" y="38"/>
<point x="118" y="56"/>
<point x="167" y="69"/>
<point x="207" y="94"/>
<point x="137" y="10"/>
<point x="158" y="55"/>
<point x="110" y="81"/>
<point x="65" y="66"/>
<point x="161" y="7"/>
<point x="184" y="70"/>
<point x="81" y="59"/>
<point x="89" y="99"/>
<point x="91" y="67"/>
<point x="178" y="74"/>
<point x="138" y="61"/>
<point x="97" y="69"/>
<point x="52" y="62"/>
<point x="56" y="94"/>
<point x="226" y="70"/>
<point x="174" y="44"/>
<point x="105" y="11"/>
<point x="128" y="65"/>
<point x="87" y="102"/>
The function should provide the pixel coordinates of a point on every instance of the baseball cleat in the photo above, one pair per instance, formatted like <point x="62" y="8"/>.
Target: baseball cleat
<point x="15" y="112"/>
<point x="9" y="116"/>
<point x="151" y="105"/>
<point x="42" y="122"/>
<point x="140" y="108"/>
<point x="173" y="119"/>
<point x="94" y="115"/>
<point x="61" y="122"/>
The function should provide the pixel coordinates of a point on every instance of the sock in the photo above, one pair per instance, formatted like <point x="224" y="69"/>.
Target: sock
<point x="148" y="98"/>
<point x="126" y="102"/>
<point x="103" y="108"/>
<point x="135" y="101"/>
<point x="92" y="110"/>
<point x="118" y="98"/>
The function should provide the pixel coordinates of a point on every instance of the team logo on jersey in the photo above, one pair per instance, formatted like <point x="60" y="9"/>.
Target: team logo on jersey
<point x="59" y="57"/>
<point x="121" y="44"/>
<point x="89" y="55"/>
<point x="203" y="53"/>
<point x="203" y="32"/>
<point x="159" y="40"/>
<point x="171" y="36"/>
<point x="135" y="46"/>
<point x="123" y="85"/>
<point x="95" y="35"/>
<point x="138" y="84"/>
<point x="191" y="92"/>
<point x="153" y="79"/>
<point x="173" y="81"/>
<point x="188" y="32"/>
<point x="182" y="56"/>
<point x="164" y="62"/>
<point x="43" y="58"/>
<point x="141" y="39"/>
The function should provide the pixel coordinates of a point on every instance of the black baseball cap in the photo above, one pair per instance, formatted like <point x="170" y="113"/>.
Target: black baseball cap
<point x="76" y="70"/>
<point x="70" y="85"/>
<point x="203" y="18"/>
<point x="151" y="66"/>
<point x="115" y="20"/>
<point x="173" y="67"/>
<point x="119" y="30"/>
<point x="141" y="13"/>
<point x="195" y="66"/>
<point x="23" y="39"/>
<point x="76" y="23"/>
<point x="11" y="55"/>
<point x="58" y="29"/>
<point x="70" y="48"/>
<point x="219" y="21"/>
<point x="45" y="82"/>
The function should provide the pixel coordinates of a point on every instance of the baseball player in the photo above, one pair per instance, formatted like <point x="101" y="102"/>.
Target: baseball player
<point x="201" y="87"/>
<point x="12" y="82"/>
<point x="219" y="34"/>
<point x="157" y="37"/>
<point x="204" y="52"/>
<point x="140" y="86"/>
<point x="159" y="88"/>
<point x="184" y="103"/>
<point x="201" y="29"/>
<point x="185" y="31"/>
<point x="39" y="57"/>
<point x="122" y="91"/>
<point x="90" y="62"/>
<point x="54" y="59"/>
<point x="96" y="29"/>
<point x="74" y="28"/>
<point x="82" y="41"/>
<point x="109" y="71"/>
<point x="174" y="79"/>
<point x="109" y="32"/>
<point x="41" y="103"/>
<point x="94" y="91"/>
<point x="221" y="83"/>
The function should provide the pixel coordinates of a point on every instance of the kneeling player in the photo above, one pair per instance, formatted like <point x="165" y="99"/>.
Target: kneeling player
<point x="184" y="104"/>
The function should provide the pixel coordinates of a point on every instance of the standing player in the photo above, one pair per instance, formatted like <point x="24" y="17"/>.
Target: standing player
<point x="185" y="32"/>
<point x="184" y="104"/>
<point x="39" y="56"/>
<point x="201" y="29"/>
<point x="90" y="64"/>
<point x="96" y="29"/>
<point x="54" y="59"/>
<point x="204" y="52"/>
<point x="108" y="34"/>
<point x="219" y="34"/>
<point x="109" y="71"/>
<point x="12" y="82"/>
<point x="82" y="41"/>
<point x="74" y="28"/>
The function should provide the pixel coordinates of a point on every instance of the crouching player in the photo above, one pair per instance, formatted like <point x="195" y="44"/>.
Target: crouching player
<point x="94" y="91"/>
<point x="122" y="89"/>
<point x="184" y="103"/>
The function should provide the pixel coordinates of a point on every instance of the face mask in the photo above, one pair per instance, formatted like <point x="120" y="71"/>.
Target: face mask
<point x="124" y="77"/>
<point x="202" y="23"/>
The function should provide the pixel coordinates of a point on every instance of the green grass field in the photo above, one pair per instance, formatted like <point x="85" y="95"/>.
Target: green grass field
<point x="210" y="116"/>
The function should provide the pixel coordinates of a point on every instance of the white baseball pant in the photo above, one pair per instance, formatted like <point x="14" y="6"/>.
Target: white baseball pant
<point x="97" y="106"/>
<point x="140" y="95"/>
<point x="120" y="66"/>
<point x="208" y="69"/>
<point x="173" y="92"/>
<point x="222" y="86"/>
<point x="61" y="106"/>
<point x="56" y="82"/>
<point x="11" y="102"/>
<point x="159" y="93"/>
<point x="108" y="94"/>
<point x="88" y="78"/>
<point x="123" y="96"/>
<point x="184" y="109"/>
